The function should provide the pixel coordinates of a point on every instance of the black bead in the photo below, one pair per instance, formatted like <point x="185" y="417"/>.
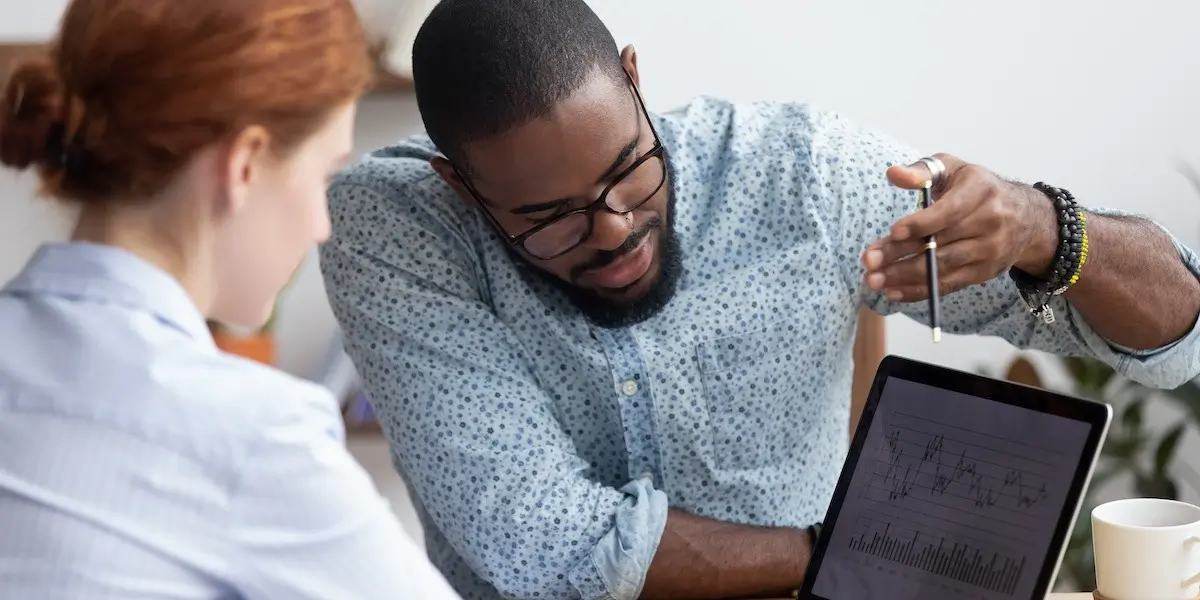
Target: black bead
<point x="1068" y="250"/>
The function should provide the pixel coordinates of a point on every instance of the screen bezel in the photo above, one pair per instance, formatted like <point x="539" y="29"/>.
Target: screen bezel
<point x="1097" y="415"/>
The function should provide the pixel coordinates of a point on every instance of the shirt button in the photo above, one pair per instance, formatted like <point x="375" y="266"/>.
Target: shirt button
<point x="629" y="388"/>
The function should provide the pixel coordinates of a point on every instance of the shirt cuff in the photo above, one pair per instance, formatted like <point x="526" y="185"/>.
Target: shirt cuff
<point x="616" y="567"/>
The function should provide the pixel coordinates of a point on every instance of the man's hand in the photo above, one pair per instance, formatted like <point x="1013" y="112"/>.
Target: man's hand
<point x="1135" y="290"/>
<point x="983" y="226"/>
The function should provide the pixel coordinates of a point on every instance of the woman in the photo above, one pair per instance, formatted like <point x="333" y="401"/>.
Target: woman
<point x="136" y="460"/>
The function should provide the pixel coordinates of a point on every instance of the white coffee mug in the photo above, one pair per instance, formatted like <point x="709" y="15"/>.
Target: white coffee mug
<point x="1147" y="549"/>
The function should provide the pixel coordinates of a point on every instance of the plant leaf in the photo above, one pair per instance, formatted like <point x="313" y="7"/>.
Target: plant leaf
<point x="1102" y="374"/>
<point x="1188" y="398"/>
<point x="1123" y="448"/>
<point x="1149" y="486"/>
<point x="1099" y="478"/>
<point x="1166" y="449"/>
<point x="1090" y="375"/>
<point x="1093" y="374"/>
<point x="1131" y="417"/>
<point x="1075" y="366"/>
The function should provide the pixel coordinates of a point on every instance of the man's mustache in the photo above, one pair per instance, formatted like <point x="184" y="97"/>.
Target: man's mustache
<point x="606" y="257"/>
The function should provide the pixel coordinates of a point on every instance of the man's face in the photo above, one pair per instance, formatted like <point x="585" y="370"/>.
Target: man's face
<point x="626" y="270"/>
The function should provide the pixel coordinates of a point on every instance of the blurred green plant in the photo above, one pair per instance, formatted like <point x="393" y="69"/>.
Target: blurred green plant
<point x="1134" y="451"/>
<point x="1144" y="456"/>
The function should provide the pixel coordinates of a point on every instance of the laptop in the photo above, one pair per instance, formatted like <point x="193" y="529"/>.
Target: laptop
<point x="957" y="486"/>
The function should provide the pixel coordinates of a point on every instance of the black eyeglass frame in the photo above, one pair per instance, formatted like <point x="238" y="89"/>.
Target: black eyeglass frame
<point x="590" y="210"/>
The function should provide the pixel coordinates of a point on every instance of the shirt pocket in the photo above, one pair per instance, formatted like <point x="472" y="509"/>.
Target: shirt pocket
<point x="752" y="384"/>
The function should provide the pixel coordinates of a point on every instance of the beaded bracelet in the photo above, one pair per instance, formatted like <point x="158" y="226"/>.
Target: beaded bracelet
<point x="1069" y="258"/>
<point x="1083" y="253"/>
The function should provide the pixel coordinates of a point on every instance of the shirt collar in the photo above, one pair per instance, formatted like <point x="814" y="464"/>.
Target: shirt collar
<point x="111" y="275"/>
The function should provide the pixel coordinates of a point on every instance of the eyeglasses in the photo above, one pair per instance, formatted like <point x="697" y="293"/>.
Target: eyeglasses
<point x="629" y="190"/>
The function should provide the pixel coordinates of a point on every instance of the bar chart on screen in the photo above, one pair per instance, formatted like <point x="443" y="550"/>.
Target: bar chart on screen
<point x="981" y="563"/>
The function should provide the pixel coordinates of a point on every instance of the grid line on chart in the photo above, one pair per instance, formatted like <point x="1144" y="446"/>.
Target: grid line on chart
<point x="908" y="509"/>
<point x="980" y="433"/>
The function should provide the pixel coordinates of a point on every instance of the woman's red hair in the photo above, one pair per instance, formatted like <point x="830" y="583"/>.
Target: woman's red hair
<point x="132" y="89"/>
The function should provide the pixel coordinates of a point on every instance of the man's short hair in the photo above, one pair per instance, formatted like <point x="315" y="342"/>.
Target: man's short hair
<point x="482" y="67"/>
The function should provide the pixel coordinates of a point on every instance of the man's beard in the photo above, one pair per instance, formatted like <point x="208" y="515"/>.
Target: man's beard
<point x="612" y="314"/>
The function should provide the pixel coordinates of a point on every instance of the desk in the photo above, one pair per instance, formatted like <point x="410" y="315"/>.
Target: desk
<point x="1068" y="596"/>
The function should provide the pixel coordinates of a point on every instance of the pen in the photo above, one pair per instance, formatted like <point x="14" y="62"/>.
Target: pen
<point x="926" y="193"/>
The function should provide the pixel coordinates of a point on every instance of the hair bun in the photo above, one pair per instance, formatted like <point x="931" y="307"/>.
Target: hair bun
<point x="30" y="107"/>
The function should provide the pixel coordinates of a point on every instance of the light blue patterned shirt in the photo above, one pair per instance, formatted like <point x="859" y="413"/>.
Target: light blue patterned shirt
<point x="139" y="462"/>
<point x="544" y="451"/>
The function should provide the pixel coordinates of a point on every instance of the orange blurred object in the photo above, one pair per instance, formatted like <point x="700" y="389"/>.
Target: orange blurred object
<point x="257" y="346"/>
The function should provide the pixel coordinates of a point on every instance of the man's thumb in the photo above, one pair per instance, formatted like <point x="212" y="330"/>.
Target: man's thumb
<point x="914" y="176"/>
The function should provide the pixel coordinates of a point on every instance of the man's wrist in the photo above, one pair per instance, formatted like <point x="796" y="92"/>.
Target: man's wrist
<point x="805" y="558"/>
<point x="1042" y="223"/>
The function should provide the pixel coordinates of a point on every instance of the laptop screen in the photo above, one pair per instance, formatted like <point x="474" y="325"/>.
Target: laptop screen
<point x="952" y="496"/>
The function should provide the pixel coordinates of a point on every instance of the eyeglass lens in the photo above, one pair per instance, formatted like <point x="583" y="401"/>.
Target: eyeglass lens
<point x="632" y="191"/>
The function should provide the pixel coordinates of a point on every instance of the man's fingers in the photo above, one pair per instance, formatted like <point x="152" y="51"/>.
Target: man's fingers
<point x="911" y="271"/>
<point x="914" y="176"/>
<point x="888" y="250"/>
<point x="928" y="221"/>
<point x="959" y="202"/>
<point x="918" y="292"/>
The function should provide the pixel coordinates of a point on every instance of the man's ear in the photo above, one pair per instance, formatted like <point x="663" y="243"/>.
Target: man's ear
<point x="450" y="175"/>
<point x="629" y="61"/>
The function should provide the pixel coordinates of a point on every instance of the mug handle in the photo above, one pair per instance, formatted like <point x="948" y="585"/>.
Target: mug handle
<point x="1193" y="541"/>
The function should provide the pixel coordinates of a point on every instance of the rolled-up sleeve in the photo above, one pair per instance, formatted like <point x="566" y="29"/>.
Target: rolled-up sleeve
<point x="469" y="425"/>
<point x="1169" y="366"/>
<point x="851" y="162"/>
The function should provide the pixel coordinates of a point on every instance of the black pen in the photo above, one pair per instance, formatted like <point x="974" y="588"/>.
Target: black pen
<point x="931" y="266"/>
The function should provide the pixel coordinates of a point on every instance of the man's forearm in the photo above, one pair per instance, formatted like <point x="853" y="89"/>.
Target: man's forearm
<point x="1134" y="290"/>
<point x="703" y="558"/>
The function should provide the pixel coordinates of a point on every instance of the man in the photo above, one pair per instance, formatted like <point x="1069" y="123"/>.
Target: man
<point x="648" y="395"/>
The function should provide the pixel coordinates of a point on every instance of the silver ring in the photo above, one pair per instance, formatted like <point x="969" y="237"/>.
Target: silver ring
<point x="936" y="169"/>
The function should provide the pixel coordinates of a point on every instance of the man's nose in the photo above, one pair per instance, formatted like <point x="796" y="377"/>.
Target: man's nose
<point x="609" y="230"/>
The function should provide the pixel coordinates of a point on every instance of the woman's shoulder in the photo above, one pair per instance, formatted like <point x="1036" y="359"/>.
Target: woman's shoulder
<point x="246" y="396"/>
<point x="206" y="408"/>
<point x="223" y="410"/>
